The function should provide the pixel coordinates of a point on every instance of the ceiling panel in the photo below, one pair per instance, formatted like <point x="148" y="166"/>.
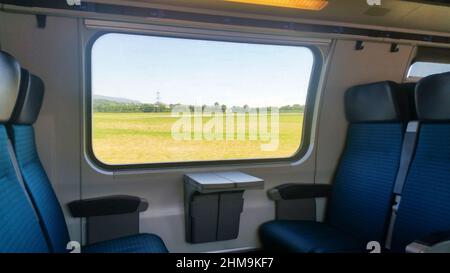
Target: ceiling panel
<point x="393" y="13"/>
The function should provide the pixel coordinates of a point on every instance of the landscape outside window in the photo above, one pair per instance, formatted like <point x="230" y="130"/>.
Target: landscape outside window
<point x="159" y="99"/>
<point x="423" y="69"/>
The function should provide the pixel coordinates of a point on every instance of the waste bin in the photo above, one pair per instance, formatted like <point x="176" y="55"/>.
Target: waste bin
<point x="213" y="204"/>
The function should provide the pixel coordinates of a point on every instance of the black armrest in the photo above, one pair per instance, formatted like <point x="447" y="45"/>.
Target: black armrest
<point x="299" y="191"/>
<point x="107" y="205"/>
<point x="426" y="243"/>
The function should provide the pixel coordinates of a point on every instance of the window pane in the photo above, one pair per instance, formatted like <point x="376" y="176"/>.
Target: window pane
<point x="423" y="69"/>
<point x="158" y="99"/>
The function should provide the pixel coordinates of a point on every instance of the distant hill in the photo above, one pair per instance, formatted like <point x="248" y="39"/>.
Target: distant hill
<point x="114" y="99"/>
<point x="106" y="104"/>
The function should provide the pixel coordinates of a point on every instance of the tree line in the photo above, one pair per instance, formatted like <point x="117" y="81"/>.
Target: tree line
<point x="107" y="106"/>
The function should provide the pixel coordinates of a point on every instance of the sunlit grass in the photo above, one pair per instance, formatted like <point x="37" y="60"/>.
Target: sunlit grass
<point x="133" y="138"/>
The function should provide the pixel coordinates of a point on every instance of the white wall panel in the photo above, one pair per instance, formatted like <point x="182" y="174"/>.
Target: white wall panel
<point x="52" y="53"/>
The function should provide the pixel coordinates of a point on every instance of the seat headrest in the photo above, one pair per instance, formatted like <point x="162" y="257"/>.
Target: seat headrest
<point x="433" y="98"/>
<point x="9" y="85"/>
<point x="29" y="101"/>
<point x="377" y="102"/>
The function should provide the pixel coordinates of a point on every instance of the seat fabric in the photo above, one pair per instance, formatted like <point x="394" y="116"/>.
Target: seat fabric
<point x="307" y="237"/>
<point x="19" y="226"/>
<point x="49" y="209"/>
<point x="425" y="204"/>
<point x="140" y="243"/>
<point x="361" y="199"/>
<point x="362" y="192"/>
<point x="40" y="188"/>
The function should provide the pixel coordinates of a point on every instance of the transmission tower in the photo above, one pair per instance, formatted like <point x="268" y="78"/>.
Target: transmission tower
<point x="158" y="98"/>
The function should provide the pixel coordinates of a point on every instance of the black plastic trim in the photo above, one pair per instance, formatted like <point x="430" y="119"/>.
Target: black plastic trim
<point x="107" y="205"/>
<point x="299" y="191"/>
<point x="359" y="45"/>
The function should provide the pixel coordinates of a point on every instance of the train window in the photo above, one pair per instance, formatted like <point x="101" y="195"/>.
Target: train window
<point x="171" y="100"/>
<point x="423" y="69"/>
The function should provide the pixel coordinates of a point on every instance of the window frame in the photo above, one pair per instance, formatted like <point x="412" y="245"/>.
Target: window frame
<point x="427" y="54"/>
<point x="417" y="78"/>
<point x="307" y="119"/>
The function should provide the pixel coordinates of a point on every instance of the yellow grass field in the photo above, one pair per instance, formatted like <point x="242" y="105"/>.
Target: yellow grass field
<point x="135" y="138"/>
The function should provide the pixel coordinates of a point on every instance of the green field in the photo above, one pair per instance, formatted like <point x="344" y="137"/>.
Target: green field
<point x="131" y="138"/>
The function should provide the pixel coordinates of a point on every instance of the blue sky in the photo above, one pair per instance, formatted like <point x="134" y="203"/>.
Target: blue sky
<point x="423" y="69"/>
<point x="199" y="72"/>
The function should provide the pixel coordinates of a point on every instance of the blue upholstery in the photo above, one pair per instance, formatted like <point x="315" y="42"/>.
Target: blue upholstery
<point x="425" y="203"/>
<point x="140" y="243"/>
<point x="31" y="218"/>
<point x="362" y="191"/>
<point x="307" y="237"/>
<point x="49" y="209"/>
<point x="361" y="199"/>
<point x="19" y="227"/>
<point x="40" y="188"/>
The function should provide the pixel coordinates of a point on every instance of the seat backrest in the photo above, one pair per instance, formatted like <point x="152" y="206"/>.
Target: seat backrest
<point x="362" y="191"/>
<point x="425" y="203"/>
<point x="20" y="230"/>
<point x="409" y="88"/>
<point x="35" y="179"/>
